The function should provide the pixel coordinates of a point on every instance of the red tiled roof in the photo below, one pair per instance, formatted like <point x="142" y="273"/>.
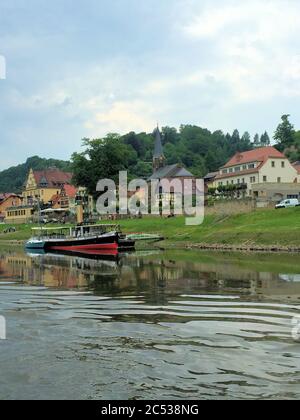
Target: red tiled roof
<point x="257" y="155"/>
<point x="55" y="198"/>
<point x="7" y="195"/>
<point x="52" y="178"/>
<point x="70" y="190"/>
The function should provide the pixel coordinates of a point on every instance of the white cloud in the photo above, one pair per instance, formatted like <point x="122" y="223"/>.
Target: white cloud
<point x="255" y="46"/>
<point x="265" y="21"/>
<point x="123" y="116"/>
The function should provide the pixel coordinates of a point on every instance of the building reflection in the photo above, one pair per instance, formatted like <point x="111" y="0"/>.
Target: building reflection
<point x="155" y="276"/>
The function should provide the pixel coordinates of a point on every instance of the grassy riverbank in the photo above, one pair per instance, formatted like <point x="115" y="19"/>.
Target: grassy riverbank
<point x="278" y="228"/>
<point x="260" y="228"/>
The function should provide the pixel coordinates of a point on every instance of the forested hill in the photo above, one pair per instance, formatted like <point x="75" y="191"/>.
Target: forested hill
<point x="198" y="149"/>
<point x="12" y="179"/>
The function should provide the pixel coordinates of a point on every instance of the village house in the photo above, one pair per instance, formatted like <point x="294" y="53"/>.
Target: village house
<point x="263" y="165"/>
<point x="66" y="199"/>
<point x="6" y="201"/>
<point x="39" y="188"/>
<point x="19" y="214"/>
<point x="48" y="190"/>
<point x="43" y="185"/>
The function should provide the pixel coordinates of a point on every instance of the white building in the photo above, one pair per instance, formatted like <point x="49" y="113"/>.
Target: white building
<point x="259" y="166"/>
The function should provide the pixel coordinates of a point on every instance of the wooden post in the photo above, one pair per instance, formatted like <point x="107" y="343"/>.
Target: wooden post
<point x="79" y="214"/>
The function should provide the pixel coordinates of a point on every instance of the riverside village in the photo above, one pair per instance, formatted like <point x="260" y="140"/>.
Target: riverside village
<point x="149" y="203"/>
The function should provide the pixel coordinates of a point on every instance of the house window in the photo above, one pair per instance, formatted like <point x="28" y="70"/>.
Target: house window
<point x="283" y="164"/>
<point x="224" y="171"/>
<point x="244" y="167"/>
<point x="252" y="179"/>
<point x="243" y="181"/>
<point x="279" y="180"/>
<point x="265" y="179"/>
<point x="231" y="170"/>
<point x="251" y="166"/>
<point x="273" y="164"/>
<point x="237" y="169"/>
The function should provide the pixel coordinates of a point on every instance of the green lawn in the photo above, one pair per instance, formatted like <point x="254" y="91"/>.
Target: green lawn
<point x="262" y="227"/>
<point x="23" y="233"/>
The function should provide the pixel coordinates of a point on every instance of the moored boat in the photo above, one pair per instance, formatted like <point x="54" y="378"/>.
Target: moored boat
<point x="86" y="238"/>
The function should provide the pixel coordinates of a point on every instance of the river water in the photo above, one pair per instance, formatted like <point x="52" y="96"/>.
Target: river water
<point x="150" y="325"/>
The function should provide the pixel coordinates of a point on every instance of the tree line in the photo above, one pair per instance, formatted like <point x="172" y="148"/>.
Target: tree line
<point x="198" y="149"/>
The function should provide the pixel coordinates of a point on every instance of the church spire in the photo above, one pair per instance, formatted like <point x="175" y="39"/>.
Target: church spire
<point x="158" y="156"/>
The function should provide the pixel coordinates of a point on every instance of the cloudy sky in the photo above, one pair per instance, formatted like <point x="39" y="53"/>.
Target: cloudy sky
<point x="83" y="68"/>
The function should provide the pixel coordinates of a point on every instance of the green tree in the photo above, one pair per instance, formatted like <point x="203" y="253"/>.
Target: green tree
<point x="245" y="143"/>
<point x="265" y="140"/>
<point x="170" y="135"/>
<point x="256" y="141"/>
<point x="102" y="158"/>
<point x="246" y="137"/>
<point x="284" y="134"/>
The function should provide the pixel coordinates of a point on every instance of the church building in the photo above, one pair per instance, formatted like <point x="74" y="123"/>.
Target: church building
<point x="162" y="171"/>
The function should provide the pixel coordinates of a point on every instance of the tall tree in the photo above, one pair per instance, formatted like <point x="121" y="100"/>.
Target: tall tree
<point x="284" y="134"/>
<point x="256" y="141"/>
<point x="236" y="136"/>
<point x="246" y="137"/>
<point x="265" y="140"/>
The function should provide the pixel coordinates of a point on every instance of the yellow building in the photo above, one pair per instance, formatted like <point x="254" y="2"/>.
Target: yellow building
<point x="43" y="185"/>
<point x="19" y="215"/>
<point x="6" y="201"/>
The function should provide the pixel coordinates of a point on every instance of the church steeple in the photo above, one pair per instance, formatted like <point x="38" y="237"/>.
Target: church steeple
<point x="158" y="156"/>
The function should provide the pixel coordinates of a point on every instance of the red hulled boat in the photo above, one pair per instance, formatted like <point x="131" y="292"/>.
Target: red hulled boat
<point x="86" y="238"/>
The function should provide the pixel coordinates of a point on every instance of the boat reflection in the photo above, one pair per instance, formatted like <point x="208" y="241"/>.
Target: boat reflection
<point x="148" y="272"/>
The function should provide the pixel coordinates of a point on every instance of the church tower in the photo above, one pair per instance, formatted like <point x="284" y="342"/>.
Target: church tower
<point x="159" y="159"/>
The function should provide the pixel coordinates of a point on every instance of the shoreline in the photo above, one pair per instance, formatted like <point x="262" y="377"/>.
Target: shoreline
<point x="265" y="231"/>
<point x="169" y="246"/>
<point x="245" y="248"/>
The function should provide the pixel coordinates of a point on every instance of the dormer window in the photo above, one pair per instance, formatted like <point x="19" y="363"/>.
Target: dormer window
<point x="43" y="182"/>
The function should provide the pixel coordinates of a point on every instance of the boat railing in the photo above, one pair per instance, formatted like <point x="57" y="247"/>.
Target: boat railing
<point x="84" y="231"/>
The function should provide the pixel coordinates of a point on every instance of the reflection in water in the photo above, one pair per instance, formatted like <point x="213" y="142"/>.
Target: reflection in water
<point x="148" y="325"/>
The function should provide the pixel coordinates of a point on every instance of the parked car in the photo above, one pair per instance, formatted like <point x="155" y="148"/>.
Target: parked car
<point x="292" y="202"/>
